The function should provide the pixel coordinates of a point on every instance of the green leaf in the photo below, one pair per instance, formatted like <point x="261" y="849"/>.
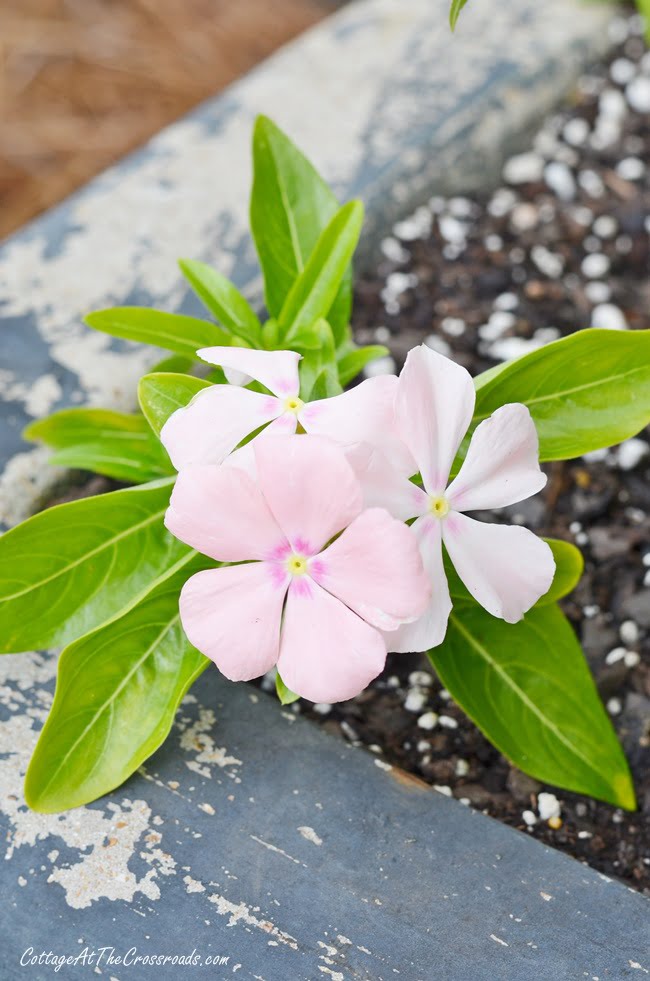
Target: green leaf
<point x="223" y="299"/>
<point x="528" y="688"/>
<point x="569" y="566"/>
<point x="313" y="291"/>
<point x="111" y="443"/>
<point x="71" y="568"/>
<point x="175" y="362"/>
<point x="584" y="392"/>
<point x="318" y="375"/>
<point x="285" y="694"/>
<point x="117" y="692"/>
<point x="160" y="394"/>
<point x="353" y="363"/>
<point x="173" y="331"/>
<point x="454" y="11"/>
<point x="290" y="206"/>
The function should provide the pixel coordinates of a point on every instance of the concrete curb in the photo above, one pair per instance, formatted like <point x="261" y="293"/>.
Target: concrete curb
<point x="317" y="860"/>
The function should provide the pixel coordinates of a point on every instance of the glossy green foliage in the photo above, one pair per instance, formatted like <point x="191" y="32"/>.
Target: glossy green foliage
<point x="172" y="331"/>
<point x="111" y="443"/>
<point x="162" y="393"/>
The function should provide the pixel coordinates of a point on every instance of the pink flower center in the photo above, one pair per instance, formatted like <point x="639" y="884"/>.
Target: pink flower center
<point x="438" y="505"/>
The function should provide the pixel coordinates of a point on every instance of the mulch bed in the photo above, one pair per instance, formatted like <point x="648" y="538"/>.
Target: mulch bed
<point x="563" y="245"/>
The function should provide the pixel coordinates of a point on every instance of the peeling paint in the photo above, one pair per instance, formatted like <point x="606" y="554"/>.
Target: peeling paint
<point x="241" y="913"/>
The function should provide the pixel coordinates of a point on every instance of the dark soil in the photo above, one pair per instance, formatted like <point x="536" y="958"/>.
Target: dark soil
<point x="464" y="260"/>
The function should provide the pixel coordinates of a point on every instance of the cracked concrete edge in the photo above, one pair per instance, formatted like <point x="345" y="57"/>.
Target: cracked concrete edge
<point x="376" y="76"/>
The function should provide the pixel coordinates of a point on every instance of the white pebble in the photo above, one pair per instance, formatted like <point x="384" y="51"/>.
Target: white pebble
<point x="638" y="94"/>
<point x="394" y="250"/>
<point x="529" y="818"/>
<point x="381" y="366"/>
<point x="605" y="226"/>
<point x="415" y="700"/>
<point x="323" y="708"/>
<point x="453" y="326"/>
<point x="448" y="722"/>
<point x="612" y="105"/>
<point x="631" y="452"/>
<point x="461" y="207"/>
<point x="523" y="168"/>
<point x="585" y="834"/>
<point x="418" y="225"/>
<point x="608" y="317"/>
<point x="630" y="169"/>
<point x="576" y="131"/>
<point x="622" y="71"/>
<point x="582" y="215"/>
<point x="493" y="243"/>
<point x="452" y="230"/>
<point x="428" y="721"/>
<point x="442" y="789"/>
<point x="420" y="679"/>
<point x="438" y="344"/>
<point x="423" y="746"/>
<point x="591" y="183"/>
<point x="616" y="655"/>
<point x="506" y="301"/>
<point x="632" y="659"/>
<point x="597" y="292"/>
<point x="629" y="631"/>
<point x="551" y="264"/>
<point x="524" y="217"/>
<point x="512" y="347"/>
<point x="560" y="180"/>
<point x="595" y="265"/>
<point x="501" y="202"/>
<point x="614" y="706"/>
<point x="548" y="806"/>
<point x="462" y="768"/>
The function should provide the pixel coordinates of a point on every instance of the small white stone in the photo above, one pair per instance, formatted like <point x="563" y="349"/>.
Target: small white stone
<point x="560" y="180"/>
<point x="632" y="659"/>
<point x="428" y="721"/>
<point x="596" y="456"/>
<point x="576" y="131"/>
<point x="585" y="834"/>
<point x="523" y="168"/>
<point x="394" y="250"/>
<point x="420" y="679"/>
<point x="591" y="183"/>
<point x="415" y="700"/>
<point x="612" y="105"/>
<point x="512" y="347"/>
<point x="605" y="226"/>
<point x="622" y="71"/>
<point x="629" y="631"/>
<point x="524" y="217"/>
<point x="461" y="207"/>
<point x="630" y="169"/>
<point x="637" y="94"/>
<point x="616" y="655"/>
<point x="322" y="708"/>
<point x="591" y="610"/>
<point x="444" y="694"/>
<point x="448" y="722"/>
<point x="380" y="366"/>
<point x="549" y="263"/>
<point x="443" y="789"/>
<point x="506" y="301"/>
<point x="614" y="706"/>
<point x="608" y="316"/>
<point x="597" y="292"/>
<point x="501" y="202"/>
<point x="493" y="243"/>
<point x="529" y="818"/>
<point x="452" y="230"/>
<point x="462" y="768"/>
<point x="382" y="335"/>
<point x="418" y="225"/>
<point x="582" y="215"/>
<point x="438" y="344"/>
<point x="453" y="326"/>
<point x="548" y="806"/>
<point x="631" y="452"/>
<point x="595" y="265"/>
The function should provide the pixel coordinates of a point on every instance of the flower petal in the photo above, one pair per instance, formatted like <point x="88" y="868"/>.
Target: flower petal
<point x="215" y="421"/>
<point x="506" y="568"/>
<point x="365" y="414"/>
<point x="430" y="629"/>
<point x="434" y="407"/>
<point x="383" y="485"/>
<point x="244" y="457"/>
<point x="327" y="652"/>
<point x="309" y="486"/>
<point x="221" y="512"/>
<point x="232" y="615"/>
<point x="502" y="463"/>
<point x="277" y="370"/>
<point x="375" y="568"/>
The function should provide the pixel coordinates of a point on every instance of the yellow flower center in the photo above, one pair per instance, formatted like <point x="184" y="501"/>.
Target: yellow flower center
<point x="439" y="506"/>
<point x="293" y="404"/>
<point x="297" y="565"/>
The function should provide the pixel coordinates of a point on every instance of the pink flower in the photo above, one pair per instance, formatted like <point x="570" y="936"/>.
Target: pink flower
<point x="506" y="568"/>
<point x="220" y="417"/>
<point x="314" y="609"/>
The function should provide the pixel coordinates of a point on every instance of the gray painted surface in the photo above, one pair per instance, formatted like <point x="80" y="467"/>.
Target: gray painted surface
<point x="252" y="835"/>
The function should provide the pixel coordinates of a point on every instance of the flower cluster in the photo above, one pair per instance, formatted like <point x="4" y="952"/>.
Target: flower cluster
<point x="307" y="505"/>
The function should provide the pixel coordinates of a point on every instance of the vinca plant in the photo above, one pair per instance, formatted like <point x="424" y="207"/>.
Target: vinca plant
<point x="276" y="519"/>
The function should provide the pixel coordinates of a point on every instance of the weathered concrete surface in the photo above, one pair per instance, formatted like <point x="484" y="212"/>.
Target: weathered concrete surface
<point x="251" y="836"/>
<point x="254" y="835"/>
<point x="385" y="101"/>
